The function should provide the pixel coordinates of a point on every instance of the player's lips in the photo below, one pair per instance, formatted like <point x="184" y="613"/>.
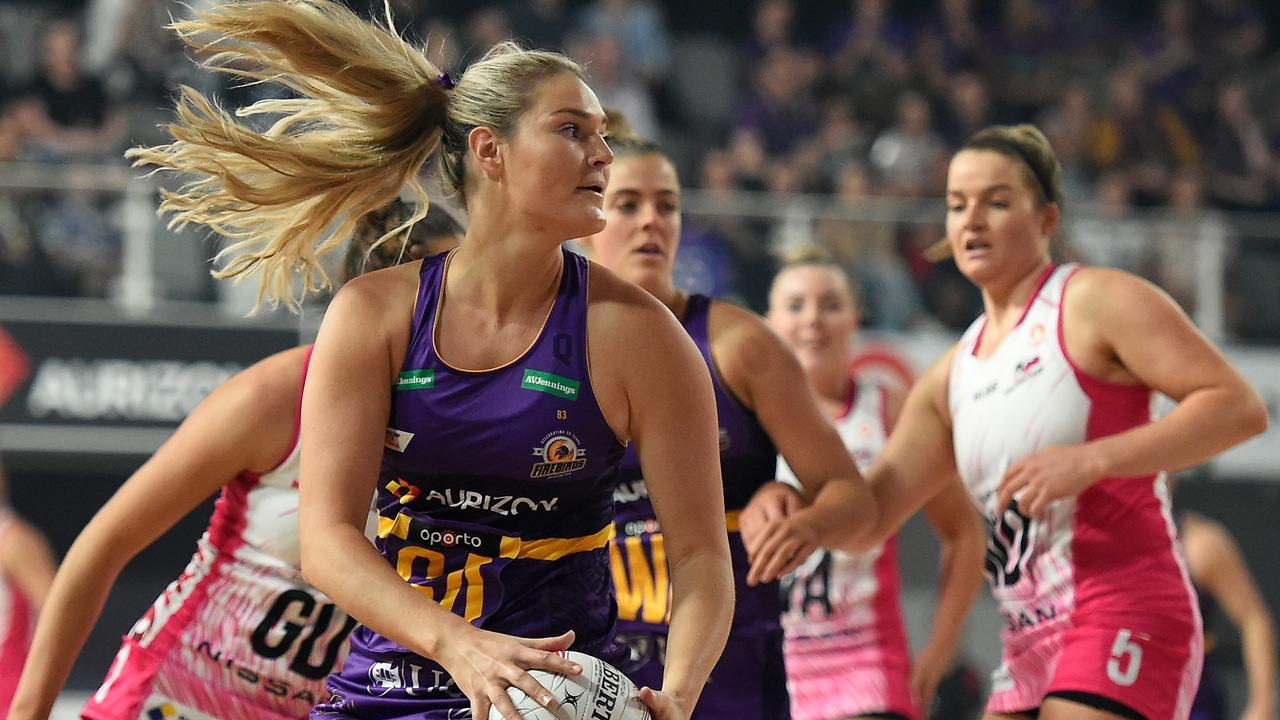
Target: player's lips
<point x="649" y="248"/>
<point x="593" y="187"/>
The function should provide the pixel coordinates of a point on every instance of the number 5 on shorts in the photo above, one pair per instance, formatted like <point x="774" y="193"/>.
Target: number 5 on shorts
<point x="1119" y="649"/>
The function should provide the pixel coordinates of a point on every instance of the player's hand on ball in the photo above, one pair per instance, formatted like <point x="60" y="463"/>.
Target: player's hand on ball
<point x="784" y="544"/>
<point x="1048" y="475"/>
<point x="772" y="501"/>
<point x="664" y="706"/>
<point x="484" y="664"/>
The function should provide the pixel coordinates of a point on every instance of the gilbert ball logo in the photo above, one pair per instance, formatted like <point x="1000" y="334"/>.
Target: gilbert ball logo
<point x="561" y="454"/>
<point x="600" y="692"/>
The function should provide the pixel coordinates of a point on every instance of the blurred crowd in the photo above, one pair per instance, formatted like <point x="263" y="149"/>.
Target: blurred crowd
<point x="1171" y="105"/>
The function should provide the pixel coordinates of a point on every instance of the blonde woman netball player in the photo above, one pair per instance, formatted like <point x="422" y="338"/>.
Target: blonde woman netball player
<point x="485" y="396"/>
<point x="846" y="647"/>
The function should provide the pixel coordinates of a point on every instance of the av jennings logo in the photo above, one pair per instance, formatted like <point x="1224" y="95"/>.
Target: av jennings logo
<point x="1024" y="371"/>
<point x="561" y="452"/>
<point x="550" y="383"/>
<point x="416" y="380"/>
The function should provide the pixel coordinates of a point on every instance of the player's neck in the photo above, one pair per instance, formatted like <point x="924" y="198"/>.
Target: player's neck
<point x="831" y="381"/>
<point x="504" y="274"/>
<point x="1005" y="302"/>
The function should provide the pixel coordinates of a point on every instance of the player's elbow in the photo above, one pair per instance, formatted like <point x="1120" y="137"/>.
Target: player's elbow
<point x="312" y="555"/>
<point x="1251" y="415"/>
<point x="1258" y="419"/>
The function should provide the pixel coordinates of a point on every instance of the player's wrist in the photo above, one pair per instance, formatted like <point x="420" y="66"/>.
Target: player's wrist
<point x="941" y="647"/>
<point x="1097" y="461"/>
<point x="438" y="640"/>
<point x="682" y="699"/>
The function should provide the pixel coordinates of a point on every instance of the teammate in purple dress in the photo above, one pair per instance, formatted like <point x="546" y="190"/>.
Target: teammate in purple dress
<point x="1225" y="586"/>
<point x="495" y="386"/>
<point x="763" y="405"/>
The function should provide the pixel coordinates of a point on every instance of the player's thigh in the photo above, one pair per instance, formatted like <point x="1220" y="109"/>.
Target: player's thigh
<point x="1056" y="708"/>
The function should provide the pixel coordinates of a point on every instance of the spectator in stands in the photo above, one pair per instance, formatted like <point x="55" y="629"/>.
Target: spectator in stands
<point x="868" y="252"/>
<point x="25" y="267"/>
<point x="968" y="108"/>
<point x="742" y="243"/>
<point x="1239" y="161"/>
<point x="76" y="229"/>
<point x="66" y="113"/>
<point x="1183" y="245"/>
<point x="1232" y="36"/>
<point x="127" y="45"/>
<point x="779" y="106"/>
<point x="947" y="42"/>
<point x="1169" y="60"/>
<point x="909" y="157"/>
<point x="640" y="31"/>
<point x="1023" y="73"/>
<point x="1111" y="236"/>
<point x="1087" y="35"/>
<point x="772" y="28"/>
<point x="869" y="56"/>
<point x="540" y="24"/>
<point x="749" y="159"/>
<point x="843" y="140"/>
<point x="1067" y="124"/>
<point x="616" y="89"/>
<point x="484" y="28"/>
<point x="1143" y="138"/>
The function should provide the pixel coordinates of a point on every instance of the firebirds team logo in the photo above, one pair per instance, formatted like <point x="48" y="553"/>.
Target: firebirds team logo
<point x="561" y="452"/>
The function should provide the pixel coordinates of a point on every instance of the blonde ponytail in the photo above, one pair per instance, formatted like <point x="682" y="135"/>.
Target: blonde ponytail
<point x="369" y="115"/>
<point x="370" y="112"/>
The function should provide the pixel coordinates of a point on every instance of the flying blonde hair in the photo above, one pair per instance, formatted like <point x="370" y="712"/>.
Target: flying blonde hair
<point x="370" y="111"/>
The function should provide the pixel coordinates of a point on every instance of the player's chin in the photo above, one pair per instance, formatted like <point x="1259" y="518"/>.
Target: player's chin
<point x="979" y="273"/>
<point x="586" y="223"/>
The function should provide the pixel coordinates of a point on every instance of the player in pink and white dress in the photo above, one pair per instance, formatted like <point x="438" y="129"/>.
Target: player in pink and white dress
<point x="846" y="646"/>
<point x="1044" y="408"/>
<point x="26" y="570"/>
<point x="240" y="634"/>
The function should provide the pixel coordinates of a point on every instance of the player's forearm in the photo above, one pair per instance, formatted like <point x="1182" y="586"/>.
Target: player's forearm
<point x="959" y="579"/>
<point x="1258" y="643"/>
<point x="70" y="611"/>
<point x="702" y="610"/>
<point x="843" y="515"/>
<point x="1204" y="424"/>
<point x="365" y="585"/>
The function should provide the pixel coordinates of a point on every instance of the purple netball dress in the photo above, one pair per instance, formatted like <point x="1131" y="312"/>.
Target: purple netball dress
<point x="495" y="499"/>
<point x="749" y="682"/>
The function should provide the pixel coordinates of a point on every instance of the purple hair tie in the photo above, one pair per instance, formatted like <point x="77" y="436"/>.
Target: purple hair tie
<point x="445" y="81"/>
